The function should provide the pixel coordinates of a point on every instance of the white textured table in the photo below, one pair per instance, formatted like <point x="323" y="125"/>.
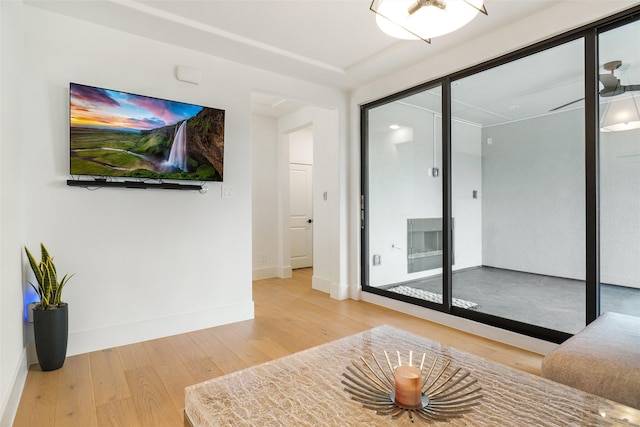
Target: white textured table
<point x="305" y="389"/>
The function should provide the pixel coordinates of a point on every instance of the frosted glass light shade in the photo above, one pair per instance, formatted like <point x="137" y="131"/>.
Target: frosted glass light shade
<point x="405" y="19"/>
<point x="620" y="114"/>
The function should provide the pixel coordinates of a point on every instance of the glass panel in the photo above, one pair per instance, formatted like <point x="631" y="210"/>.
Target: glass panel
<point x="405" y="195"/>
<point x="619" y="59"/>
<point x="518" y="193"/>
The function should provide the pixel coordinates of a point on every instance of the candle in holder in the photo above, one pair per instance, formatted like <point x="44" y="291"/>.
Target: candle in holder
<point x="408" y="385"/>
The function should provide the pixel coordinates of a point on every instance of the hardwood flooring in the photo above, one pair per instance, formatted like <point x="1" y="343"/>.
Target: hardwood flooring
<point x="143" y="384"/>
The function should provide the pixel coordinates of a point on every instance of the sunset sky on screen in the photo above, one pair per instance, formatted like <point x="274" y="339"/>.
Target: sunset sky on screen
<point x="103" y="108"/>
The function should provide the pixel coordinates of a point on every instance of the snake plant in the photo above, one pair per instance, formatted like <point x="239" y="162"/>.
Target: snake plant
<point x="48" y="288"/>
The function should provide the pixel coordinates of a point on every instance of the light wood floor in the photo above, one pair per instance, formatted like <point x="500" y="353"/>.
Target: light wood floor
<point x="143" y="384"/>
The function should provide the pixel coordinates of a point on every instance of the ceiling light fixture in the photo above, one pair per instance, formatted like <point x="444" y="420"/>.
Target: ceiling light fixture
<point x="424" y="19"/>
<point x="620" y="114"/>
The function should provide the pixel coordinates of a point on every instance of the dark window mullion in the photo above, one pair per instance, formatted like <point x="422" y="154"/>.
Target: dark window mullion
<point x="363" y="203"/>
<point x="592" y="133"/>
<point x="447" y="296"/>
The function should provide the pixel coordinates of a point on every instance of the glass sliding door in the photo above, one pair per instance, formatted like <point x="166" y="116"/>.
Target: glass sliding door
<point x="523" y="209"/>
<point x="619" y="169"/>
<point x="518" y="189"/>
<point x="403" y="196"/>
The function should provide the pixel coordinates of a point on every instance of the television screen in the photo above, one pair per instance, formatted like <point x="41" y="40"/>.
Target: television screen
<point x="119" y="134"/>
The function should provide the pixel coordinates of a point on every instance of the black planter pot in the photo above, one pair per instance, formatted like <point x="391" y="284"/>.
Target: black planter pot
<point x="51" y="329"/>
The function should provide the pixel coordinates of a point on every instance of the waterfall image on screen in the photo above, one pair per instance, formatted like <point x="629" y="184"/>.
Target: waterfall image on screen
<point x="119" y="134"/>
<point x="178" y="154"/>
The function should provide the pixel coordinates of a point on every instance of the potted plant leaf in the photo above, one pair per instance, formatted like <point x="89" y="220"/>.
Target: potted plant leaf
<point x="50" y="314"/>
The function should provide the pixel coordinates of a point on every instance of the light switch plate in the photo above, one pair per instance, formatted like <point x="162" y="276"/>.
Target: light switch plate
<point x="228" y="191"/>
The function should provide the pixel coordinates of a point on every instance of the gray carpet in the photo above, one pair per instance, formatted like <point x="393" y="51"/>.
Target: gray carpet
<point x="550" y="302"/>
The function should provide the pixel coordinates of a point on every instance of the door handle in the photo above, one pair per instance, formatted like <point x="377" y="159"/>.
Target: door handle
<point x="309" y="221"/>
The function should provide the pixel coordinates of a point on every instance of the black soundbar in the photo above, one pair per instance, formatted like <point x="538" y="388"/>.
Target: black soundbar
<point x="132" y="184"/>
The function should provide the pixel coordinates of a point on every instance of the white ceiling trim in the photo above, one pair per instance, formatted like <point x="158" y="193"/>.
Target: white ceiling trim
<point x="226" y="34"/>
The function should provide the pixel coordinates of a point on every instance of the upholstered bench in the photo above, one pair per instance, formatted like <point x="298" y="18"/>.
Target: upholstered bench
<point x="602" y="359"/>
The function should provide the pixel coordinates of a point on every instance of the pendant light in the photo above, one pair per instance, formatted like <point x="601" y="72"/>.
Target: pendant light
<point x="620" y="114"/>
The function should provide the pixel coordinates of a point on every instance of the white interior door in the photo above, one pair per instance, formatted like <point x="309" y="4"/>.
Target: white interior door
<point x="301" y="215"/>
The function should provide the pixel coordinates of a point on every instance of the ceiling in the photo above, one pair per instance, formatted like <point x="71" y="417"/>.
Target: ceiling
<point x="335" y="43"/>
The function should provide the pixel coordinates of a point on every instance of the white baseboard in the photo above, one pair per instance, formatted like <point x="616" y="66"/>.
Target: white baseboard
<point x="321" y="284"/>
<point x="264" y="273"/>
<point x="511" y="338"/>
<point x="333" y="289"/>
<point x="285" y="272"/>
<point x="270" y="272"/>
<point x="10" y="404"/>
<point x="114" y="336"/>
<point x="339" y="292"/>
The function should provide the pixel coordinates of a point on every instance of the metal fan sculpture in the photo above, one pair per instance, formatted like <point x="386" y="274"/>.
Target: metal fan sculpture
<point x="611" y="84"/>
<point x="446" y="393"/>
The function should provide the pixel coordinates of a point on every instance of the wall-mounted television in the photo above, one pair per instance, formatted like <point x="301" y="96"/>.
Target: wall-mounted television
<point x="123" y="135"/>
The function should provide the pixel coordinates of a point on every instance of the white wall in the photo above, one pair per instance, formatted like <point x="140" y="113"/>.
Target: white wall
<point x="328" y="176"/>
<point x="13" y="360"/>
<point x="264" y="135"/>
<point x="534" y="195"/>
<point x="399" y="186"/>
<point x="302" y="136"/>
<point x="534" y="199"/>
<point x="620" y="208"/>
<point x="148" y="263"/>
<point x="151" y="262"/>
<point x="466" y="160"/>
<point x="399" y="162"/>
